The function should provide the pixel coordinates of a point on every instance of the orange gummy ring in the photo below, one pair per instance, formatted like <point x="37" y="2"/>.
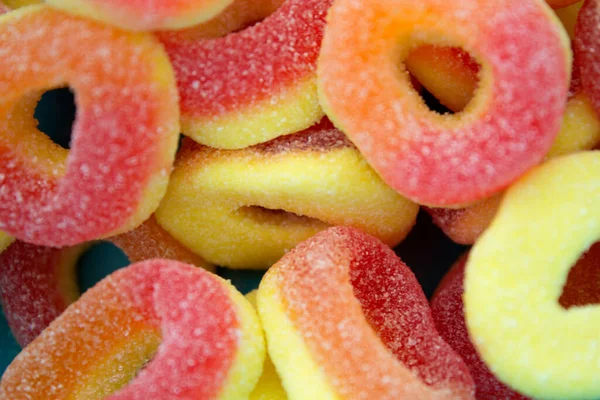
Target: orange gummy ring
<point x="202" y="336"/>
<point x="346" y="319"/>
<point x="124" y="136"/>
<point x="443" y="160"/>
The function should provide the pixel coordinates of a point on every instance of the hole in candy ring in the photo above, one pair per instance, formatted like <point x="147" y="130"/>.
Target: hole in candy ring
<point x="583" y="282"/>
<point x="449" y="76"/>
<point x="263" y="214"/>
<point x="55" y="113"/>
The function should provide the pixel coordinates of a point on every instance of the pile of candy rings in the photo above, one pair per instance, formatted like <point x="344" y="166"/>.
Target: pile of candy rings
<point x="314" y="131"/>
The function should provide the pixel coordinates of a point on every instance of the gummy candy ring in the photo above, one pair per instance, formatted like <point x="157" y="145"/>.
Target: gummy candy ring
<point x="446" y="160"/>
<point x="516" y="273"/>
<point x="124" y="136"/>
<point x="216" y="203"/>
<point x="346" y="319"/>
<point x="38" y="283"/>
<point x="255" y="84"/>
<point x="145" y="15"/>
<point x="203" y="338"/>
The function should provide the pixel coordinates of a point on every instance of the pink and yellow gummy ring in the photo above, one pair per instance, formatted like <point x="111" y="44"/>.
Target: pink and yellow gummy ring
<point x="216" y="204"/>
<point x="346" y="319"/>
<point x="444" y="160"/>
<point x="202" y="339"/>
<point x="124" y="136"/>
<point x="255" y="84"/>
<point x="38" y="283"/>
<point x="515" y="276"/>
<point x="145" y="15"/>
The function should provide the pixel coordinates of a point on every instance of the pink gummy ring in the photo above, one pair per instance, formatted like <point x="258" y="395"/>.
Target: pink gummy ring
<point x="444" y="160"/>
<point x="124" y="136"/>
<point x="196" y="333"/>
<point x="254" y="84"/>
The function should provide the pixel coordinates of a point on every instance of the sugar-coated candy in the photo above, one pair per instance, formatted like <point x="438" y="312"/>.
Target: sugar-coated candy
<point x="200" y="338"/>
<point x="346" y="319"/>
<point x="580" y="130"/>
<point x="38" y="283"/>
<point x="124" y="136"/>
<point x="255" y="84"/>
<point x="245" y="208"/>
<point x="446" y="160"/>
<point x="448" y="314"/>
<point x="515" y="275"/>
<point x="13" y="4"/>
<point x="145" y="15"/>
<point x="269" y="385"/>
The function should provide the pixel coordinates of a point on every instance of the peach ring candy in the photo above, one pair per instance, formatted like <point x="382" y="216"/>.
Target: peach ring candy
<point x="245" y="208"/>
<point x="202" y="339"/>
<point x="14" y="4"/>
<point x="580" y="130"/>
<point x="581" y="288"/>
<point x="38" y="283"/>
<point x="587" y="49"/>
<point x="269" y="385"/>
<point x="446" y="160"/>
<point x="515" y="275"/>
<point x="253" y="85"/>
<point x="145" y="15"/>
<point x="124" y="136"/>
<point x="448" y="314"/>
<point x="378" y="339"/>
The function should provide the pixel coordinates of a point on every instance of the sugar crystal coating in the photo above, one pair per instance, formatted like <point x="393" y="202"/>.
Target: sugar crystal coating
<point x="145" y="15"/>
<point x="191" y="323"/>
<point x="514" y="281"/>
<point x="124" y="136"/>
<point x="38" y="283"/>
<point x="245" y="208"/>
<point x="448" y="314"/>
<point x="363" y="321"/>
<point x="443" y="160"/>
<point x="255" y="84"/>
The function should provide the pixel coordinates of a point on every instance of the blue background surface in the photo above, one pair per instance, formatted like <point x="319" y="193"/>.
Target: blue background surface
<point x="426" y="250"/>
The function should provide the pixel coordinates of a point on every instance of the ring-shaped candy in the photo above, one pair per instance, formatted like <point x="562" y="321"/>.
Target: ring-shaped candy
<point x="216" y="204"/>
<point x="14" y="4"/>
<point x="378" y="340"/>
<point x="205" y="337"/>
<point x="124" y="136"/>
<point x="580" y="130"/>
<point x="515" y="275"/>
<point x="587" y="50"/>
<point x="568" y="16"/>
<point x="255" y="84"/>
<point x="145" y="15"/>
<point x="445" y="160"/>
<point x="38" y="283"/>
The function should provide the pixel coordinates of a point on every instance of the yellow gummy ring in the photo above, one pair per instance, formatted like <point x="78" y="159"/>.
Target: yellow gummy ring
<point x="515" y="276"/>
